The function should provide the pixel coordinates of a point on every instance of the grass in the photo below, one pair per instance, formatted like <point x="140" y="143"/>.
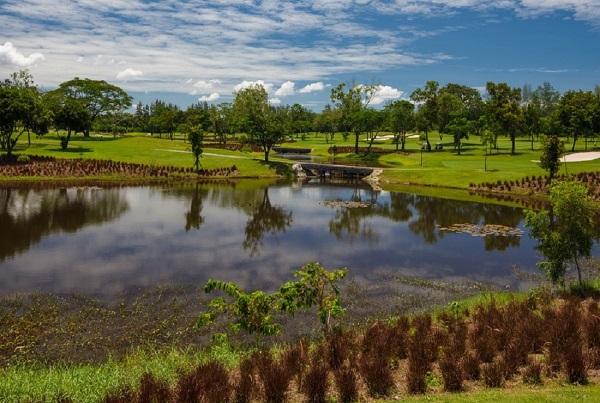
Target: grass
<point x="440" y="168"/>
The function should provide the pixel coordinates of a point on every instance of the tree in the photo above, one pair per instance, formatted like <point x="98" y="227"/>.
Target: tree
<point x="97" y="96"/>
<point x="195" y="137"/>
<point x="552" y="150"/>
<point x="251" y="312"/>
<point x="350" y="102"/>
<point x="265" y="125"/>
<point x="504" y="110"/>
<point x="400" y="118"/>
<point x="18" y="106"/>
<point x="72" y="117"/>
<point x="316" y="287"/>
<point x="566" y="233"/>
<point x="427" y="113"/>
<point x="576" y="113"/>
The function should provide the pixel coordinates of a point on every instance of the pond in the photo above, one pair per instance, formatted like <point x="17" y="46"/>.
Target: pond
<point x="106" y="240"/>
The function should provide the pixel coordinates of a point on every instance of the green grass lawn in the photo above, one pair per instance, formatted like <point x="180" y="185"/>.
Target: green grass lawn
<point x="433" y="168"/>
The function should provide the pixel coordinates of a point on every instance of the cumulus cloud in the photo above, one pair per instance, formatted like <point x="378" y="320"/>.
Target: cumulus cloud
<point x="246" y="84"/>
<point x="128" y="73"/>
<point x="275" y="101"/>
<point x="312" y="88"/>
<point x="10" y="55"/>
<point x="205" y="86"/>
<point x="286" y="88"/>
<point x="385" y="93"/>
<point x="209" y="98"/>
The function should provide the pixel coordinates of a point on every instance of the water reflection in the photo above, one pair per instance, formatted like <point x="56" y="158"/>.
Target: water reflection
<point x="109" y="240"/>
<point x="27" y="215"/>
<point x="265" y="218"/>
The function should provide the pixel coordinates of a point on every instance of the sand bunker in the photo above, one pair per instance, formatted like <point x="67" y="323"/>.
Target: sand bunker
<point x="586" y="156"/>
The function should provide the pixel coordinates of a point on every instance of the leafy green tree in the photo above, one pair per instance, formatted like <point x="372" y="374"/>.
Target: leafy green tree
<point x="459" y="128"/>
<point x="196" y="136"/>
<point x="72" y="117"/>
<point x="350" y="100"/>
<point x="265" y="125"/>
<point x="97" y="96"/>
<point x="316" y="287"/>
<point x="552" y="151"/>
<point x="400" y="118"/>
<point x="565" y="235"/>
<point x="576" y="113"/>
<point x="221" y="120"/>
<point x="427" y="103"/>
<point x="18" y="105"/>
<point x="504" y="110"/>
<point x="250" y="312"/>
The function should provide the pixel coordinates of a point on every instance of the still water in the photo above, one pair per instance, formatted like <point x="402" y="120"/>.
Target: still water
<point x="108" y="240"/>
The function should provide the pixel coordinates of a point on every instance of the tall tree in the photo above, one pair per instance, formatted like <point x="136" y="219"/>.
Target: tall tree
<point x="504" y="110"/>
<point x="426" y="100"/>
<point x="18" y="104"/>
<point x="576" y="113"/>
<point x="400" y="118"/>
<point x="566" y="234"/>
<point x="265" y="125"/>
<point x="350" y="100"/>
<point x="97" y="96"/>
<point x="72" y="117"/>
<point x="552" y="150"/>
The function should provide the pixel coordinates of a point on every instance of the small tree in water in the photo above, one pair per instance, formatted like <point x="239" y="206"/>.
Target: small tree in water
<point x="565" y="234"/>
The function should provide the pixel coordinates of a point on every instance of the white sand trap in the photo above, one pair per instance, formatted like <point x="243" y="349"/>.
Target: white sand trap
<point x="586" y="156"/>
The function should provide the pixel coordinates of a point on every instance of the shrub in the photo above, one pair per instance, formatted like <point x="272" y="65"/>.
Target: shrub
<point x="419" y="354"/>
<point x="23" y="159"/>
<point x="346" y="383"/>
<point x="532" y="373"/>
<point x="243" y="388"/>
<point x="471" y="366"/>
<point x="493" y="373"/>
<point x="377" y="375"/>
<point x="315" y="382"/>
<point x="275" y="378"/>
<point x="340" y="347"/>
<point x="207" y="383"/>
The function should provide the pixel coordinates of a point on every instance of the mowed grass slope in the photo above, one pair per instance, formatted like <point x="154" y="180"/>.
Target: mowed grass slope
<point x="443" y="168"/>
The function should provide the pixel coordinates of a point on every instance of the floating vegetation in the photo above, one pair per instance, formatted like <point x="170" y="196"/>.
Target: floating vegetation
<point x="483" y="230"/>
<point x="347" y="204"/>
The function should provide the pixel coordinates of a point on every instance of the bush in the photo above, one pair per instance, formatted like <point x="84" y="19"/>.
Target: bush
<point x="346" y="383"/>
<point x="23" y="159"/>
<point x="493" y="373"/>
<point x="532" y="373"/>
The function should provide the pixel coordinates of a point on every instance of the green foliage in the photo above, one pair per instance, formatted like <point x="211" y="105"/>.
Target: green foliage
<point x="316" y="287"/>
<point x="23" y="159"/>
<point x="251" y="312"/>
<point x="565" y="235"/>
<point x="254" y="312"/>
<point x="552" y="150"/>
<point x="196" y="137"/>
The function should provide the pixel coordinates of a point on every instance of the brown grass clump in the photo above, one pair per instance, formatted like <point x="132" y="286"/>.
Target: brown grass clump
<point x="346" y="384"/>
<point x="207" y="383"/>
<point x="419" y="354"/>
<point x="275" y="377"/>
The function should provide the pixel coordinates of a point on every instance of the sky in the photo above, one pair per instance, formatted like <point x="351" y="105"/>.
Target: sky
<point x="185" y="51"/>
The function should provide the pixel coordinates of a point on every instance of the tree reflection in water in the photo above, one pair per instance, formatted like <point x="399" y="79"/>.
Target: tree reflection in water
<point x="27" y="215"/>
<point x="425" y="215"/>
<point x="193" y="218"/>
<point x="265" y="218"/>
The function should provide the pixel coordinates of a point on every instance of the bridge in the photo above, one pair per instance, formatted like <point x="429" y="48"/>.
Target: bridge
<point x="340" y="171"/>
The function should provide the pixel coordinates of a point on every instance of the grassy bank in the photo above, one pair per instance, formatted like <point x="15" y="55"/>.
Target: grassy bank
<point x="500" y="347"/>
<point x="441" y="168"/>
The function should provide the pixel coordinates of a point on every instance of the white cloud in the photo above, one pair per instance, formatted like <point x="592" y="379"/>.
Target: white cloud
<point x="384" y="93"/>
<point x="10" y="55"/>
<point x="204" y="86"/>
<point x="275" y="101"/>
<point x="209" y="98"/>
<point x="286" y="88"/>
<point x="246" y="84"/>
<point x="312" y="88"/>
<point x="128" y="73"/>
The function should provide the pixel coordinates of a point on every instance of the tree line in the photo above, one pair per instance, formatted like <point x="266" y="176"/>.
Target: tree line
<point x="455" y="110"/>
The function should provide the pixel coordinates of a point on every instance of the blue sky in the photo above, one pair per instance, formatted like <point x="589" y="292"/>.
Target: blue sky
<point x="182" y="51"/>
